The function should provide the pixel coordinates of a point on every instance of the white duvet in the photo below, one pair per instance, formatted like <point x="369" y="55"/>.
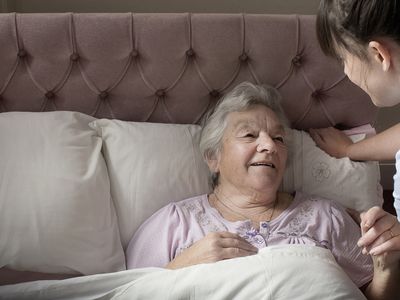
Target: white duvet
<point x="276" y="272"/>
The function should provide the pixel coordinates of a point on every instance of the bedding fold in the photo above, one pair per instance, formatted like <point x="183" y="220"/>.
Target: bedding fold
<point x="276" y="272"/>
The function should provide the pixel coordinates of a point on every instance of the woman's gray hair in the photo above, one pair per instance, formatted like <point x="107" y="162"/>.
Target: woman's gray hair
<point x="239" y="99"/>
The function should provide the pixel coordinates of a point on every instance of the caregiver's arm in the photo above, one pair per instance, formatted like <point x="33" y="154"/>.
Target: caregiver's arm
<point x="381" y="239"/>
<point x="382" y="146"/>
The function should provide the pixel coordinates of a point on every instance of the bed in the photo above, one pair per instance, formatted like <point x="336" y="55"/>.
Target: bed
<point x="99" y="119"/>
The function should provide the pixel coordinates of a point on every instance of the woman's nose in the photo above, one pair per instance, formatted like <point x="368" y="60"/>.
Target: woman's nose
<point x="266" y="143"/>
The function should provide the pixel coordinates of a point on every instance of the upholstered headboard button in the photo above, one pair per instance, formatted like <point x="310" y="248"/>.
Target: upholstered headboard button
<point x="22" y="53"/>
<point x="297" y="60"/>
<point x="50" y="95"/>
<point x="317" y="94"/>
<point x="103" y="95"/>
<point x="135" y="53"/>
<point x="243" y="57"/>
<point x="74" y="56"/>
<point x="190" y="53"/>
<point x="160" y="93"/>
<point x="215" y="94"/>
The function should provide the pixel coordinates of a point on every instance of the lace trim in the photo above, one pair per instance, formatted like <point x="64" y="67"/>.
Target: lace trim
<point x="201" y="217"/>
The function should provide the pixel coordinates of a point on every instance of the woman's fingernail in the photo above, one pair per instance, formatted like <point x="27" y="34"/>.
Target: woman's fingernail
<point x="373" y="252"/>
<point x="360" y="243"/>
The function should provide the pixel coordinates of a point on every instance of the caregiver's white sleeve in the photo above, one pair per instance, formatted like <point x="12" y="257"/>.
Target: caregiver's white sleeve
<point x="396" y="189"/>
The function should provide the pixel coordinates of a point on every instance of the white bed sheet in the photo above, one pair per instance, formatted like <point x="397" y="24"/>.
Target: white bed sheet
<point x="276" y="272"/>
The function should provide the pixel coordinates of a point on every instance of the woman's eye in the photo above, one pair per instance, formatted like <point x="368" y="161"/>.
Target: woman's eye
<point x="279" y="139"/>
<point x="247" y="134"/>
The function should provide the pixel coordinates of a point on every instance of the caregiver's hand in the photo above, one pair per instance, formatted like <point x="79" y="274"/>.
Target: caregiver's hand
<point x="380" y="236"/>
<point x="213" y="247"/>
<point x="332" y="141"/>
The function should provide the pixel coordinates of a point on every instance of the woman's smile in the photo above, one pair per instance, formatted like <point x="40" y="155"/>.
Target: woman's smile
<point x="253" y="154"/>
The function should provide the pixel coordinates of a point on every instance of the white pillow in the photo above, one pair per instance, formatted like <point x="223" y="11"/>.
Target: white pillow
<point x="151" y="165"/>
<point x="56" y="213"/>
<point x="353" y="184"/>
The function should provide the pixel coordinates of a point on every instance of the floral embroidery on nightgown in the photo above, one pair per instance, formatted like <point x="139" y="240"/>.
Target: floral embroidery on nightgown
<point x="201" y="217"/>
<point x="294" y="231"/>
<point x="299" y="223"/>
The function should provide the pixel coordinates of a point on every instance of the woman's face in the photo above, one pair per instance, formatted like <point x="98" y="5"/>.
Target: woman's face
<point x="383" y="87"/>
<point x="253" y="155"/>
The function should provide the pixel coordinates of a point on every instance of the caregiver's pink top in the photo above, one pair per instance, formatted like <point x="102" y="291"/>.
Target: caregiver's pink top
<point x="308" y="220"/>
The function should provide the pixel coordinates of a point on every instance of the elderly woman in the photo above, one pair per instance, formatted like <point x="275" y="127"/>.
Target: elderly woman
<point x="245" y="146"/>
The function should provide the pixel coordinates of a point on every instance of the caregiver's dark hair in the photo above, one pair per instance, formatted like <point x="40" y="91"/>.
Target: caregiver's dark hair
<point x="352" y="24"/>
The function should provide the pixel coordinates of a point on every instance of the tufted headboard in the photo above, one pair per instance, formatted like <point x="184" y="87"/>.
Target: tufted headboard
<point x="170" y="67"/>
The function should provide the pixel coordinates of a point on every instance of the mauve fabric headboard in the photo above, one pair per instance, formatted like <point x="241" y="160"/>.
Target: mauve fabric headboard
<point x="170" y="67"/>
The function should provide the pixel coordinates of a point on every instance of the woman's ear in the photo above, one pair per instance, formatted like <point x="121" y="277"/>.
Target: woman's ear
<point x="213" y="162"/>
<point x="381" y="54"/>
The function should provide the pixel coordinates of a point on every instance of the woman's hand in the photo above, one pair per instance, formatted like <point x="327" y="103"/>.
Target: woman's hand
<point x="214" y="247"/>
<point x="332" y="141"/>
<point x="380" y="236"/>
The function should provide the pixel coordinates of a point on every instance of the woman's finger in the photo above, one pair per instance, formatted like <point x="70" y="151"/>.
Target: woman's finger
<point x="238" y="243"/>
<point x="229" y="253"/>
<point x="226" y="239"/>
<point x="227" y="234"/>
